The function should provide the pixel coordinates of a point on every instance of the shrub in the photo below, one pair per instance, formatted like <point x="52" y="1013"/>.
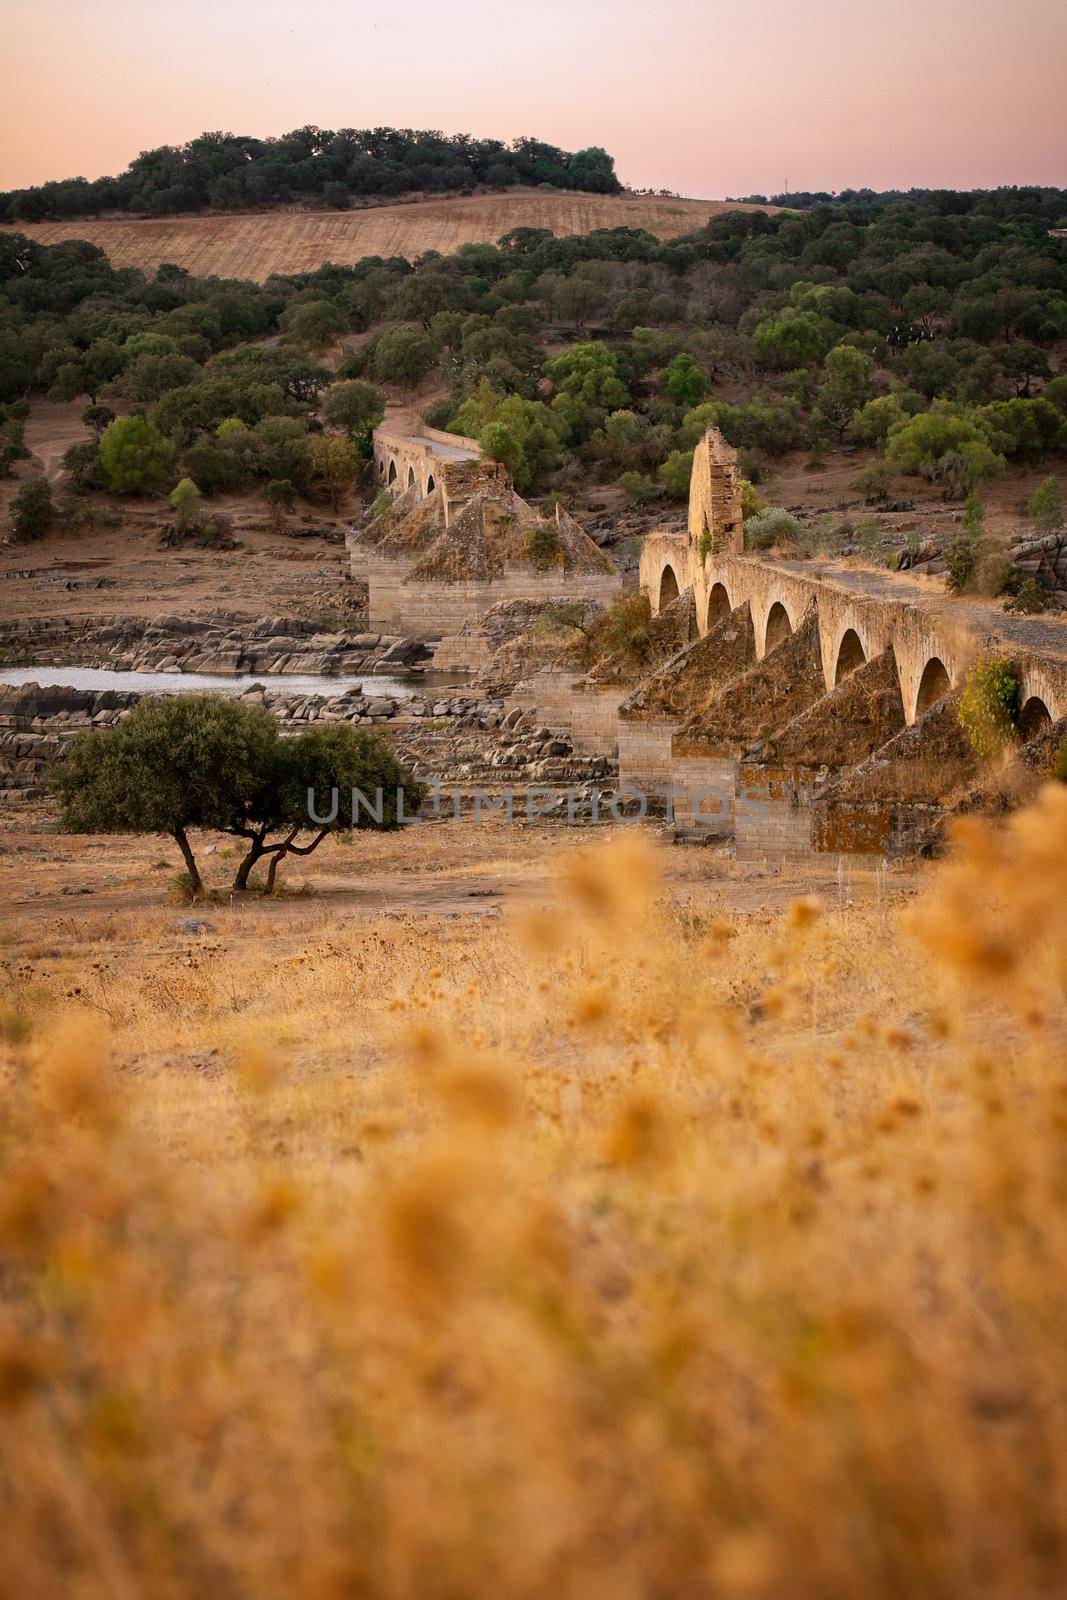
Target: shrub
<point x="637" y="487"/>
<point x="773" y="527"/>
<point x="1030" y="598"/>
<point x="623" y="627"/>
<point x="543" y="543"/>
<point x="1059" y="769"/>
<point x="1046" y="507"/>
<point x="962" y="559"/>
<point x="675" y="473"/>
<point x="874" y="482"/>
<point x="945" y="445"/>
<point x="988" y="711"/>
<point x="751" y="501"/>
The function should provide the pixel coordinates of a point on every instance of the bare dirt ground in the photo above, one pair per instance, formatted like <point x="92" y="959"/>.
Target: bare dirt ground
<point x="444" y="869"/>
<point x="273" y="573"/>
<point x="255" y="246"/>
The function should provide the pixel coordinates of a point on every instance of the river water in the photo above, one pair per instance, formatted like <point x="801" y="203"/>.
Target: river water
<point x="376" y="685"/>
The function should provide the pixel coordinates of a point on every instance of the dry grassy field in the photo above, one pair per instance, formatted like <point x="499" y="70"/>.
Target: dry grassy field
<point x="668" y="1232"/>
<point x="253" y="247"/>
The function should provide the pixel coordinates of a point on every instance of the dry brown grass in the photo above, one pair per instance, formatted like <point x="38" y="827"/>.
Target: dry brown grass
<point x="609" y="1250"/>
<point x="254" y="246"/>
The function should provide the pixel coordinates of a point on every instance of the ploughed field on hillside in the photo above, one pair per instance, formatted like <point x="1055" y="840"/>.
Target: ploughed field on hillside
<point x="255" y="246"/>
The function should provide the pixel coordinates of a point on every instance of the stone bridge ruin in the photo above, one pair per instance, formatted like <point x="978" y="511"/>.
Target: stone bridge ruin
<point x="456" y="539"/>
<point x="813" y="707"/>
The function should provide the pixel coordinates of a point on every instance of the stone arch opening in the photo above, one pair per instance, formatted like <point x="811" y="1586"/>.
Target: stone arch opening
<point x="718" y="604"/>
<point x="430" y="485"/>
<point x="934" y="684"/>
<point x="850" y="656"/>
<point x="392" y="472"/>
<point x="1034" y="716"/>
<point x="779" y="627"/>
<point x="668" y="587"/>
<point x="411" y="477"/>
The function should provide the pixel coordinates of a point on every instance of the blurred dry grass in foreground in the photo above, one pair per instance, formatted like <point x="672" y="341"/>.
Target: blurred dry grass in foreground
<point x="611" y="1251"/>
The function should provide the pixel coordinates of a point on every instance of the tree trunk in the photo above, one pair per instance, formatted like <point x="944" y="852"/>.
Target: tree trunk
<point x="255" y="850"/>
<point x="196" y="883"/>
<point x="289" y="848"/>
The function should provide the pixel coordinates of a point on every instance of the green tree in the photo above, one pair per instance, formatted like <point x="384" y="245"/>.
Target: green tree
<point x="847" y="388"/>
<point x="675" y="473"/>
<point x="988" y="710"/>
<point x="1046" y="506"/>
<point x="176" y="762"/>
<point x="335" y="462"/>
<point x="637" y="487"/>
<point x="315" y="323"/>
<point x="134" y="456"/>
<point x="32" y="511"/>
<point x="590" y="373"/>
<point x="356" y="407"/>
<point x="185" y="502"/>
<point x="403" y="355"/>
<point x="327" y="780"/>
<point x="943" y="438"/>
<point x="97" y="418"/>
<point x="498" y="443"/>
<point x="280" y="495"/>
<point x="183" y="761"/>
<point x="684" y="381"/>
<point x="575" y="298"/>
<point x="791" y="338"/>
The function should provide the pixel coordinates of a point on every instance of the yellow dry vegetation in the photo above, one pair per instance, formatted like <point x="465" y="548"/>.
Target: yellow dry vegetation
<point x="617" y="1251"/>
<point x="254" y="246"/>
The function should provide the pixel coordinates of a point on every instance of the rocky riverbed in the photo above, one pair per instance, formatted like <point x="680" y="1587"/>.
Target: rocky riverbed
<point x="221" y="643"/>
<point x="452" y="739"/>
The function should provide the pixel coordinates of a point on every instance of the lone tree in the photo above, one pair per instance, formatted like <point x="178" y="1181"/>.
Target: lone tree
<point x="185" y="502"/>
<point x="32" y="511"/>
<point x="279" y="494"/>
<point x="205" y="761"/>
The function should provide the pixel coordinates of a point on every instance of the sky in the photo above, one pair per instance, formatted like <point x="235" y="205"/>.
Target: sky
<point x="700" y="96"/>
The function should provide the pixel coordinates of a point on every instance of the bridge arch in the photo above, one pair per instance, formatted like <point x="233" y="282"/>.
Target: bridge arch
<point x="1034" y="717"/>
<point x="850" y="656"/>
<point x="777" y="628"/>
<point x="430" y="485"/>
<point x="719" y="606"/>
<point x="411" y="477"/>
<point x="934" y="684"/>
<point x="391" y="477"/>
<point x="668" y="587"/>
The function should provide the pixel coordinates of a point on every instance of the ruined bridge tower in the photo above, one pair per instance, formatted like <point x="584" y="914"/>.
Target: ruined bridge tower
<point x="715" y="499"/>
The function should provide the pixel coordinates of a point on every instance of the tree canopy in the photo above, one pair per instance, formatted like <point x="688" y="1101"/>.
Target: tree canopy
<point x="226" y="171"/>
<point x="190" y="761"/>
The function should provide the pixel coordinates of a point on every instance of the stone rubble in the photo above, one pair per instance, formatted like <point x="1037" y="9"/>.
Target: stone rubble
<point x="456" y="740"/>
<point x="220" y="643"/>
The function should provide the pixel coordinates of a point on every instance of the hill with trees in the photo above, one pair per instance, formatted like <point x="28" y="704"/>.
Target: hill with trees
<point x="928" y="336"/>
<point x="311" y="166"/>
<point x="258" y="245"/>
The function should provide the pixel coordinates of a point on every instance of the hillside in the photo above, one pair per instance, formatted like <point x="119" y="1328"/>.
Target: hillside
<point x="254" y="246"/>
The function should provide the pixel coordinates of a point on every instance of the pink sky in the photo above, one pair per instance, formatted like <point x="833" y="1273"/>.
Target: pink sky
<point x="695" y="95"/>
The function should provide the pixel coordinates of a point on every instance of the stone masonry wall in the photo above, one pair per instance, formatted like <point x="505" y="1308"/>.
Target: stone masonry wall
<point x="433" y="610"/>
<point x="589" y="715"/>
